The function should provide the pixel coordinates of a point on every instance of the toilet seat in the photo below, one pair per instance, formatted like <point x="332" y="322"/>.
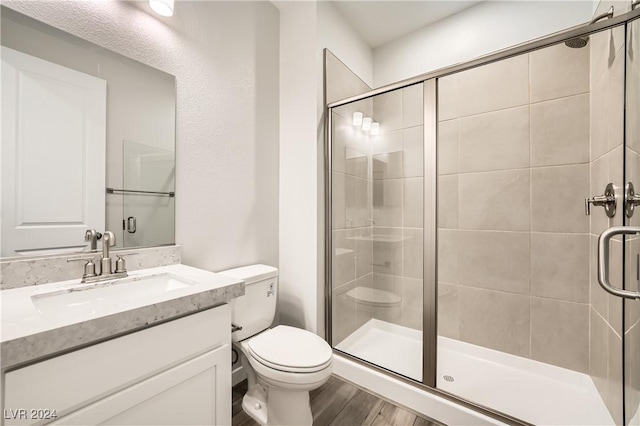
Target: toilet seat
<point x="290" y="349"/>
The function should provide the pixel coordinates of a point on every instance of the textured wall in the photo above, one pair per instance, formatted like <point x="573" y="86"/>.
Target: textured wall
<point x="225" y="59"/>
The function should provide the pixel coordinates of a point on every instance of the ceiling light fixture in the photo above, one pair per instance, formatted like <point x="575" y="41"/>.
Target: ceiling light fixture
<point x="162" y="7"/>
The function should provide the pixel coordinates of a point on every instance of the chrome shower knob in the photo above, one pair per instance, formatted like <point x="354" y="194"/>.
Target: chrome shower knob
<point x="631" y="200"/>
<point x="608" y="201"/>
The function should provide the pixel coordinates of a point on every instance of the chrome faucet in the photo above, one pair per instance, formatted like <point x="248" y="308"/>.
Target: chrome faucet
<point x="108" y="240"/>
<point x="106" y="270"/>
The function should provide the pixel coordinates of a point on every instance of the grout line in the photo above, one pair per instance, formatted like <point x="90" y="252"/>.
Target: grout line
<point x="585" y="233"/>
<point x="531" y="297"/>
<point x="636" y="324"/>
<point x="610" y="151"/>
<point x="575" y="95"/>
<point x="551" y="166"/>
<point x="528" y="104"/>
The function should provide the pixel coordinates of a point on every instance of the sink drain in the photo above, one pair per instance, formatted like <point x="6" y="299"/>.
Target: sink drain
<point x="448" y="378"/>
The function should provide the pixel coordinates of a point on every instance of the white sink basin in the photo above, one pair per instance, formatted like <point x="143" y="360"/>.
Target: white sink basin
<point x="86" y="312"/>
<point x="96" y="298"/>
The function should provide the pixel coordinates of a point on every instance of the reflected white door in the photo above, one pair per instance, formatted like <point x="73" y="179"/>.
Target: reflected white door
<point x="53" y="155"/>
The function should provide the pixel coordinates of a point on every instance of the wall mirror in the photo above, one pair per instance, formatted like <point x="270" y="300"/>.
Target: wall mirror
<point x="88" y="141"/>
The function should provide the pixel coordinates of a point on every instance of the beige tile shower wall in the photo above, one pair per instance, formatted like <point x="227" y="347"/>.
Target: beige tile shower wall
<point x="607" y="132"/>
<point x="513" y="171"/>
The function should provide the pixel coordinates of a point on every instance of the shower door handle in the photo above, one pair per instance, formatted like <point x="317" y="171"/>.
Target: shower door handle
<point x="603" y="260"/>
<point x="132" y="225"/>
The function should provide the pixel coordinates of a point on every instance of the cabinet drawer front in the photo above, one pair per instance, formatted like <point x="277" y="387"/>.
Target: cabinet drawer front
<point x="193" y="393"/>
<point x="74" y="380"/>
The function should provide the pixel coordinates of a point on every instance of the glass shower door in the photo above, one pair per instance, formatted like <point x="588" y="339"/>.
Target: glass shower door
<point x="377" y="230"/>
<point x="149" y="206"/>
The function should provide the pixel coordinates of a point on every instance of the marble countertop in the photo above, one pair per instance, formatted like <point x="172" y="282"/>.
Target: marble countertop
<point x="28" y="334"/>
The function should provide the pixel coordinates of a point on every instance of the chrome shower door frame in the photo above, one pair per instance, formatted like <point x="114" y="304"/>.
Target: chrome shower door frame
<point x="430" y="335"/>
<point x="430" y="232"/>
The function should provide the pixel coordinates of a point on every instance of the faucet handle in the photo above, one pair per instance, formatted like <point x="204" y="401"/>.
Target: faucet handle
<point x="92" y="237"/>
<point x="89" y="267"/>
<point x="120" y="263"/>
<point x="92" y="233"/>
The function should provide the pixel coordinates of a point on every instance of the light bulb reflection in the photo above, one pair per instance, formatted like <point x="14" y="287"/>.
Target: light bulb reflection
<point x="366" y="124"/>
<point x="357" y="118"/>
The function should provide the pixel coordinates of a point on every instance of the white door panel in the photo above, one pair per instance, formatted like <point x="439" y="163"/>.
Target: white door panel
<point x="196" y="392"/>
<point x="53" y="154"/>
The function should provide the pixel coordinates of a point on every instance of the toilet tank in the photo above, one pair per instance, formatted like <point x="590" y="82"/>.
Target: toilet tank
<point x="254" y="311"/>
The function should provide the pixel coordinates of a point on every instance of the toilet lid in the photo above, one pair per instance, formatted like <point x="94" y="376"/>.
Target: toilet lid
<point x="290" y="349"/>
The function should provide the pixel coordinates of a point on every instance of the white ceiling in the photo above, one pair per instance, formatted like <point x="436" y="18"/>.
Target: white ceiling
<point x="379" y="22"/>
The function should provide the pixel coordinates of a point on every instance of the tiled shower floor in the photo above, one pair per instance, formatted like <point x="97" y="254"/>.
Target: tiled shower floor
<point x="530" y="390"/>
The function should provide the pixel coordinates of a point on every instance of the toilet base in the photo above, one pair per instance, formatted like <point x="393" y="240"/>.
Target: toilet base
<point x="284" y="407"/>
<point x="255" y="405"/>
<point x="289" y="408"/>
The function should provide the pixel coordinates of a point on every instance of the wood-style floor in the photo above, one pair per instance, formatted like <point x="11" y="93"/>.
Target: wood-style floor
<point x="340" y="403"/>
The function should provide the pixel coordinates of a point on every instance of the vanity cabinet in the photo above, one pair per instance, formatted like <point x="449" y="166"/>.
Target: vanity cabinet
<point x="178" y="372"/>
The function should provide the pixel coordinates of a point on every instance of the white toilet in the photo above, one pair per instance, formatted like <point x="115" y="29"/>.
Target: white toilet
<point x="282" y="363"/>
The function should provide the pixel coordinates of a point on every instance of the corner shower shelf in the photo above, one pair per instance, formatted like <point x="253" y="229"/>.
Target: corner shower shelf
<point x="381" y="238"/>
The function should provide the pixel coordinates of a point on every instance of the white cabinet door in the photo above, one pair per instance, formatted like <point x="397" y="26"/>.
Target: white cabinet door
<point x="53" y="155"/>
<point x="179" y="360"/>
<point x="197" y="392"/>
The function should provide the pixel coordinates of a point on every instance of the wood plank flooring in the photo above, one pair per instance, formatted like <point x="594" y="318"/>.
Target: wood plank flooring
<point x="341" y="404"/>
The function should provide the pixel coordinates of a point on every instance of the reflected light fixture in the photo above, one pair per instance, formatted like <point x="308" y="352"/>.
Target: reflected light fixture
<point x="366" y="124"/>
<point x="357" y="118"/>
<point x="162" y="7"/>
<point x="375" y="128"/>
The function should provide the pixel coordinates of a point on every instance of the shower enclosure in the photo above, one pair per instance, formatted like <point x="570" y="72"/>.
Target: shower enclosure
<point x="463" y="221"/>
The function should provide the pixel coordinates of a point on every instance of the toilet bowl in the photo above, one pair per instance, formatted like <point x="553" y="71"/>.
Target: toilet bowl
<point x="282" y="363"/>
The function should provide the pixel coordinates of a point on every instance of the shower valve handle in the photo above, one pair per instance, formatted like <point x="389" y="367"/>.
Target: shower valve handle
<point x="608" y="201"/>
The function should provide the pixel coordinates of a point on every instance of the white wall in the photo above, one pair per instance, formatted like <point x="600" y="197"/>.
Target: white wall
<point x="619" y="6"/>
<point x="306" y="28"/>
<point x="488" y="27"/>
<point x="344" y="42"/>
<point x="299" y="269"/>
<point x="225" y="59"/>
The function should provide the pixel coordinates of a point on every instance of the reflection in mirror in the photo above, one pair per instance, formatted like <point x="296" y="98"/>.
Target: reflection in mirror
<point x="148" y="214"/>
<point x="78" y="119"/>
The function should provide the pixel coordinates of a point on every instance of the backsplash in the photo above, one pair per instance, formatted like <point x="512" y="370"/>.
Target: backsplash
<point x="16" y="273"/>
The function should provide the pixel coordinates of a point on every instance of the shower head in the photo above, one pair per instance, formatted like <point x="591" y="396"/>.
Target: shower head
<point x="579" y="42"/>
